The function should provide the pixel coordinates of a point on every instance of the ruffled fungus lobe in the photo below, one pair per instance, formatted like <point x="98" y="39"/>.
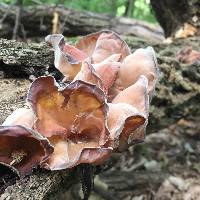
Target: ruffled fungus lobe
<point x="101" y="45"/>
<point x="128" y="114"/>
<point x="188" y="55"/>
<point x="73" y="119"/>
<point x="97" y="46"/>
<point x="141" y="62"/>
<point x="102" y="74"/>
<point x="67" y="58"/>
<point x="89" y="75"/>
<point x="23" y="148"/>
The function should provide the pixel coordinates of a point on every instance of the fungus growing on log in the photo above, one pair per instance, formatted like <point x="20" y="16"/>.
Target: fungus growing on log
<point x="103" y="109"/>
<point x="73" y="119"/>
<point x="97" y="46"/>
<point x="20" y="146"/>
<point x="188" y="55"/>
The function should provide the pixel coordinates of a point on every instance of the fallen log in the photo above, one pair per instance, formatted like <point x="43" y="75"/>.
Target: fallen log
<point x="40" y="21"/>
<point x="176" y="94"/>
<point x="41" y="186"/>
<point x="176" y="97"/>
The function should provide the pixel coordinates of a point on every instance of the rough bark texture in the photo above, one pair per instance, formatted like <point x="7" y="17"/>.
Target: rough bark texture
<point x="40" y="186"/>
<point x="20" y="58"/>
<point x="173" y="14"/>
<point x="177" y="97"/>
<point x="37" y="21"/>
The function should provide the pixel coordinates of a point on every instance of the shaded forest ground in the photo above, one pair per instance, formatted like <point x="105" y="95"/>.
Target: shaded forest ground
<point x="167" y="165"/>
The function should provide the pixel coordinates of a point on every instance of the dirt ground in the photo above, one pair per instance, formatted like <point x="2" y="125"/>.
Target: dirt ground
<point x="165" y="167"/>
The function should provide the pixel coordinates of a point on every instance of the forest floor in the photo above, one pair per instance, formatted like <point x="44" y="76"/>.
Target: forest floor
<point x="165" y="167"/>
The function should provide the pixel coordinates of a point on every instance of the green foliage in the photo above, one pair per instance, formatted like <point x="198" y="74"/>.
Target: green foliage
<point x="141" y="8"/>
<point x="142" y="11"/>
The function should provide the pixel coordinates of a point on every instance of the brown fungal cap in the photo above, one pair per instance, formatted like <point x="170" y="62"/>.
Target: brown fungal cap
<point x="72" y="118"/>
<point x="22" y="148"/>
<point x="141" y="62"/>
<point x="128" y="113"/>
<point x="97" y="46"/>
<point x="101" y="45"/>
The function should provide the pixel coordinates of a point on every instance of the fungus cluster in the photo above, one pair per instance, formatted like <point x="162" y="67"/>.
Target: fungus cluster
<point x="103" y="108"/>
<point x="188" y="55"/>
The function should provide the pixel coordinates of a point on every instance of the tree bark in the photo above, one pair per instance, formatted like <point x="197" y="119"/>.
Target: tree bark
<point x="49" y="185"/>
<point x="37" y="21"/>
<point x="172" y="15"/>
<point x="177" y="96"/>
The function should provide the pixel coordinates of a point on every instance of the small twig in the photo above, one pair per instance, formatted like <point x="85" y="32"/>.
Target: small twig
<point x="17" y="157"/>
<point x="5" y="15"/>
<point x="103" y="193"/>
<point x="86" y="173"/>
<point x="17" y="19"/>
<point x="56" y="23"/>
<point x="23" y="32"/>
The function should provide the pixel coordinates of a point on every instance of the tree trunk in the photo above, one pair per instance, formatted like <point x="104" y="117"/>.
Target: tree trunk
<point x="37" y="21"/>
<point x="129" y="8"/>
<point x="174" y="15"/>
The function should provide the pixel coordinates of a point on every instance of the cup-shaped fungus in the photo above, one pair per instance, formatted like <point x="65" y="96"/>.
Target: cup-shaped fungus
<point x="73" y="119"/>
<point x="127" y="80"/>
<point x="111" y="60"/>
<point x="21" y="147"/>
<point x="97" y="46"/>
<point x="188" y="55"/>
<point x="105" y="107"/>
<point x="128" y="115"/>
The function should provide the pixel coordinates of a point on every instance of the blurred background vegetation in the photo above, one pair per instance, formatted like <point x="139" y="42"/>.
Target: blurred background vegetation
<point x="138" y="9"/>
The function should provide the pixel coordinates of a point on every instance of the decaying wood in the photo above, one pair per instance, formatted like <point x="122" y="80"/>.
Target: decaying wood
<point x="176" y="97"/>
<point x="40" y="186"/>
<point x="20" y="58"/>
<point x="176" y="94"/>
<point x="37" y="21"/>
